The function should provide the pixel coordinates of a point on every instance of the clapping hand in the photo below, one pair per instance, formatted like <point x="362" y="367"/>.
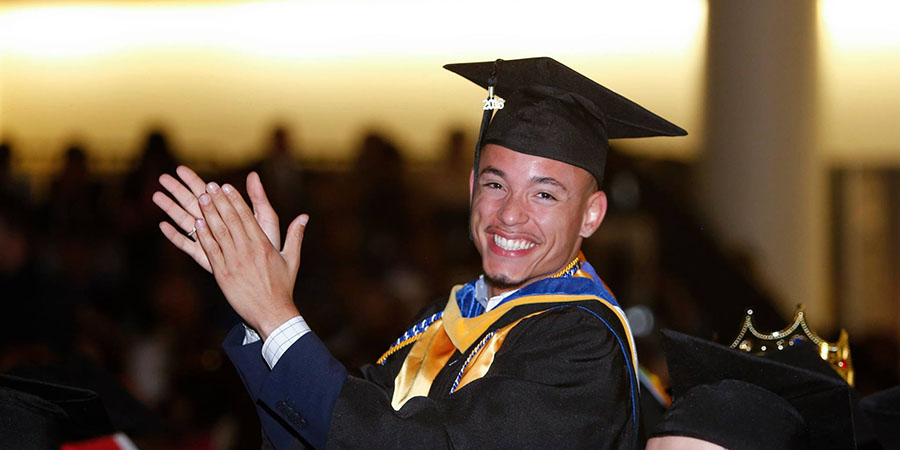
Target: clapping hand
<point x="187" y="210"/>
<point x="239" y="246"/>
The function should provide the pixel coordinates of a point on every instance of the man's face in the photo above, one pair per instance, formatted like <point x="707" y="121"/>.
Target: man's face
<point x="529" y="215"/>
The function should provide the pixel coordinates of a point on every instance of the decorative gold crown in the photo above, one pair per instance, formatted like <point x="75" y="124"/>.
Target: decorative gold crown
<point x="836" y="354"/>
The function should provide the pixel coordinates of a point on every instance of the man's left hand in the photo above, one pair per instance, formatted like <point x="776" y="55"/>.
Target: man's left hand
<point x="257" y="279"/>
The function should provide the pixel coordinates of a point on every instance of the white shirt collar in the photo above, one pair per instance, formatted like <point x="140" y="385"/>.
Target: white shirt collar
<point x="481" y="295"/>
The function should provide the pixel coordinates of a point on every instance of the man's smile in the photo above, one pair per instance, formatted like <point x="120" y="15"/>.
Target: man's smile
<point x="510" y="245"/>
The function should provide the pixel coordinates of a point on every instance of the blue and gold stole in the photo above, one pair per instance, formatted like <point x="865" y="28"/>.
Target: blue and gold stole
<point x="464" y="326"/>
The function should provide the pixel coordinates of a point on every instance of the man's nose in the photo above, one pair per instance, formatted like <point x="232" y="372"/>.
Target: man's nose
<point x="512" y="212"/>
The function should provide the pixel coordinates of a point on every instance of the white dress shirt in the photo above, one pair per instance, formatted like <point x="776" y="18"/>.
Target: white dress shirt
<point x="281" y="339"/>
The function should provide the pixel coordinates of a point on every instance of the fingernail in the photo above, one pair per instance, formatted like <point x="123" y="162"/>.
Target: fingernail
<point x="303" y="220"/>
<point x="199" y="223"/>
<point x="212" y="187"/>
<point x="204" y="199"/>
<point x="227" y="188"/>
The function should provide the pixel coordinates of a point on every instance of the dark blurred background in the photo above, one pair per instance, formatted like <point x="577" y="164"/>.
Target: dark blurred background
<point x="786" y="192"/>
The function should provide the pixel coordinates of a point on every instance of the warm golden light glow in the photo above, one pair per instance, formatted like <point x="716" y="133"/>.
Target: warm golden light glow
<point x="862" y="24"/>
<point x="218" y="73"/>
<point x="343" y="29"/>
<point x="860" y="66"/>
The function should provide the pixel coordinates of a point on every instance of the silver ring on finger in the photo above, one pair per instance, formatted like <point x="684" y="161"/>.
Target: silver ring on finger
<point x="192" y="233"/>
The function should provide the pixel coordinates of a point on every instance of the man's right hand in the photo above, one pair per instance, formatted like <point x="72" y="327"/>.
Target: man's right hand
<point x="186" y="211"/>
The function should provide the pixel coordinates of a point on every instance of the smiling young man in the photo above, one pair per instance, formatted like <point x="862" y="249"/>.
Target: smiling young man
<point x="529" y="216"/>
<point x="536" y="353"/>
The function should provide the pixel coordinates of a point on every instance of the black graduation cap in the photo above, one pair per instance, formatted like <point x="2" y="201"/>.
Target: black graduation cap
<point x="83" y="383"/>
<point x="744" y="401"/>
<point x="41" y="415"/>
<point x="883" y="411"/>
<point x="555" y="112"/>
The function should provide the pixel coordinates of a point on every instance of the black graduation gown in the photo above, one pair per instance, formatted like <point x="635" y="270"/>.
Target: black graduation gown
<point x="559" y="381"/>
<point x="563" y="378"/>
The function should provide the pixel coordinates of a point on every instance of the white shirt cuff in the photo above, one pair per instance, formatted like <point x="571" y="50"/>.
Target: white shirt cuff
<point x="250" y="335"/>
<point x="281" y="339"/>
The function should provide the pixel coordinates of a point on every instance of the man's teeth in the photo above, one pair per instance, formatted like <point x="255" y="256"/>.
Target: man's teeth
<point x="512" y="244"/>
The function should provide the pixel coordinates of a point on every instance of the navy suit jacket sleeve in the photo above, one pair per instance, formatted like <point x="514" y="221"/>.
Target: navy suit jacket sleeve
<point x="295" y="399"/>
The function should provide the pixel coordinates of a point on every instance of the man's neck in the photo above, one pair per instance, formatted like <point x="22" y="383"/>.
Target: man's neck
<point x="495" y="289"/>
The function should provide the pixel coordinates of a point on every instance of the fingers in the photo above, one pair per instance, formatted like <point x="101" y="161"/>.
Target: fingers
<point x="189" y="210"/>
<point x="229" y="216"/>
<point x="185" y="198"/>
<point x="186" y="245"/>
<point x="210" y="245"/>
<point x="178" y="215"/>
<point x="192" y="180"/>
<point x="215" y="225"/>
<point x="254" y="233"/>
<point x="262" y="209"/>
<point x="293" y="241"/>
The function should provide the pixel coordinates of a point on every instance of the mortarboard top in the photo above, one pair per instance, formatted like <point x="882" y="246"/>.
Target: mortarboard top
<point x="42" y="415"/>
<point x="805" y="355"/>
<point x="736" y="415"/>
<point x="883" y="411"/>
<point x="78" y="373"/>
<point x="822" y="401"/>
<point x="555" y="112"/>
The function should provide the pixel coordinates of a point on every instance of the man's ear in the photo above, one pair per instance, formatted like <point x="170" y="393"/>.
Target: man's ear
<point x="471" y="183"/>
<point x="594" y="212"/>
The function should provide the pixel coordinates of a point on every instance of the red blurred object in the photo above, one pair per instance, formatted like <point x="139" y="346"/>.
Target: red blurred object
<point x="118" y="441"/>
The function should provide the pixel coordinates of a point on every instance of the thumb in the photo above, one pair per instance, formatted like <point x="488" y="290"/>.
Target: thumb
<point x="262" y="209"/>
<point x="293" y="241"/>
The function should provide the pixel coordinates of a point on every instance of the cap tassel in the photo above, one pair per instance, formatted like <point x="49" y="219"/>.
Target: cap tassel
<point x="490" y="104"/>
<point x="485" y="120"/>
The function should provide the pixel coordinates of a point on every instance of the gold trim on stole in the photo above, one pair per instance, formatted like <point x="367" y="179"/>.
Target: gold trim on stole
<point x="434" y="347"/>
<point x="426" y="358"/>
<point x="465" y="331"/>
<point x="481" y="362"/>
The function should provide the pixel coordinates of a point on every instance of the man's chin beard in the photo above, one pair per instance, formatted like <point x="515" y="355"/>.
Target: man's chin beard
<point x="501" y="282"/>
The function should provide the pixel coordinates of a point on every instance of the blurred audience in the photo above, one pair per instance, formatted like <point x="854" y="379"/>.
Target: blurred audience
<point x="85" y="272"/>
<point x="13" y="188"/>
<point x="281" y="174"/>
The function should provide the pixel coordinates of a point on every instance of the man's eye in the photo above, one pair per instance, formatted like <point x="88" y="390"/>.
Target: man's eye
<point x="545" y="196"/>
<point x="493" y="185"/>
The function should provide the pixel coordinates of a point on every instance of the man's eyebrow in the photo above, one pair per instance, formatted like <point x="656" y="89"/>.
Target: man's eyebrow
<point x="493" y="171"/>
<point x="549" y="180"/>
